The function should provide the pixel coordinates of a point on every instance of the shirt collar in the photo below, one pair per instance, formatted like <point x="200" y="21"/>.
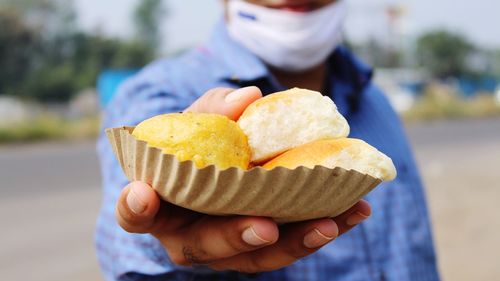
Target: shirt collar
<point x="349" y="76"/>
<point x="347" y="68"/>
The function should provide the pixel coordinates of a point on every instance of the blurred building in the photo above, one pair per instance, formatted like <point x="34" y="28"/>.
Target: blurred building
<point x="401" y="85"/>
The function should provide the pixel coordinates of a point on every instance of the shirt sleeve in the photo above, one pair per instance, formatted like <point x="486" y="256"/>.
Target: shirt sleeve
<point x="122" y="255"/>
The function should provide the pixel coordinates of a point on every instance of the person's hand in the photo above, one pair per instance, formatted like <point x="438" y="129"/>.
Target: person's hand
<point x="241" y="243"/>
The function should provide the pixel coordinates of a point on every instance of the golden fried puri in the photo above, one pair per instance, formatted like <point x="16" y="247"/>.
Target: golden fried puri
<point x="204" y="138"/>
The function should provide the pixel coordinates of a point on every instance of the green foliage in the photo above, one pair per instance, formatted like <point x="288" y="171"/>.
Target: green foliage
<point x="496" y="63"/>
<point x="50" y="127"/>
<point x="52" y="83"/>
<point x="377" y="55"/>
<point x="444" y="53"/>
<point x="44" y="58"/>
<point x="17" y="43"/>
<point x="147" y="18"/>
<point x="442" y="102"/>
<point x="42" y="128"/>
<point x="76" y="66"/>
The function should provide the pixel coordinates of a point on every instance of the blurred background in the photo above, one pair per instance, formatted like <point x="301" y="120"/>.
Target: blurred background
<point x="61" y="61"/>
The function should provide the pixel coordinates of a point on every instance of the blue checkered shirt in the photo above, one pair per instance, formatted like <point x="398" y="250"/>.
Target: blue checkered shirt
<point x="395" y="243"/>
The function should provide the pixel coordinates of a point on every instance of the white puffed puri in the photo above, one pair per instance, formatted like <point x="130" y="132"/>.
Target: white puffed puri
<point x="284" y="120"/>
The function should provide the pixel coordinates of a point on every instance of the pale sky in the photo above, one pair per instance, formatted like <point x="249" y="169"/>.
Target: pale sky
<point x="190" y="21"/>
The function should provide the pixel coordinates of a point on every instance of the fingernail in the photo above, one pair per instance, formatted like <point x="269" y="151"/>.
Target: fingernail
<point x="134" y="202"/>
<point x="251" y="237"/>
<point x="356" y="218"/>
<point x="237" y="94"/>
<point x="315" y="239"/>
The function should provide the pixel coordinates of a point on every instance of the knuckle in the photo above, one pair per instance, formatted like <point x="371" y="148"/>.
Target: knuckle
<point x="133" y="226"/>
<point x="127" y="227"/>
<point x="124" y="217"/>
<point x="202" y="105"/>
<point x="215" y="91"/>
<point x="236" y="243"/>
<point x="255" y="265"/>
<point x="298" y="252"/>
<point x="178" y="258"/>
<point x="189" y="256"/>
<point x="123" y="221"/>
<point x="130" y="228"/>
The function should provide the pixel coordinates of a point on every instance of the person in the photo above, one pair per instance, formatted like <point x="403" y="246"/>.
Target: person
<point x="261" y="47"/>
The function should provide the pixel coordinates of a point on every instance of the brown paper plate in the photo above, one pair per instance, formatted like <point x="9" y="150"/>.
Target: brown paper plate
<point x="282" y="194"/>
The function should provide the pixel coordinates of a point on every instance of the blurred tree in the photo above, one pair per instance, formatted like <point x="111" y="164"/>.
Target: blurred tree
<point x="444" y="54"/>
<point x="375" y="54"/>
<point x="147" y="19"/>
<point x="50" y="24"/>
<point x="17" y="44"/>
<point x="44" y="57"/>
<point x="87" y="55"/>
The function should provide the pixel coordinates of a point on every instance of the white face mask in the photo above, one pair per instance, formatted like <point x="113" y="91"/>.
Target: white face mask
<point x="287" y="40"/>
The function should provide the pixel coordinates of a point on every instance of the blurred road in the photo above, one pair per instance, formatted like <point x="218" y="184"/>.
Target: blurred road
<point x="460" y="163"/>
<point x="50" y="198"/>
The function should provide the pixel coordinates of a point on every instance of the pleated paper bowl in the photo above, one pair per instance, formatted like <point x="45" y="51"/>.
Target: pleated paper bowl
<point x="282" y="194"/>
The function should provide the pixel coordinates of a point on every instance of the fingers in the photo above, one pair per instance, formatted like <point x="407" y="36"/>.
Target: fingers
<point x="296" y="241"/>
<point x="225" y="101"/>
<point x="189" y="237"/>
<point x="139" y="211"/>
<point x="352" y="217"/>
<point x="247" y="244"/>
<point x="214" y="238"/>
<point x="137" y="207"/>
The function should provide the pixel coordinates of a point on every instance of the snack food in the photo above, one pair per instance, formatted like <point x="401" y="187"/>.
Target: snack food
<point x="284" y="120"/>
<point x="347" y="153"/>
<point x="308" y="191"/>
<point x="201" y="137"/>
<point x="282" y="194"/>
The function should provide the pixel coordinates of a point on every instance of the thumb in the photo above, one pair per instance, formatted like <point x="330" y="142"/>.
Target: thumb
<point x="137" y="207"/>
<point x="226" y="101"/>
